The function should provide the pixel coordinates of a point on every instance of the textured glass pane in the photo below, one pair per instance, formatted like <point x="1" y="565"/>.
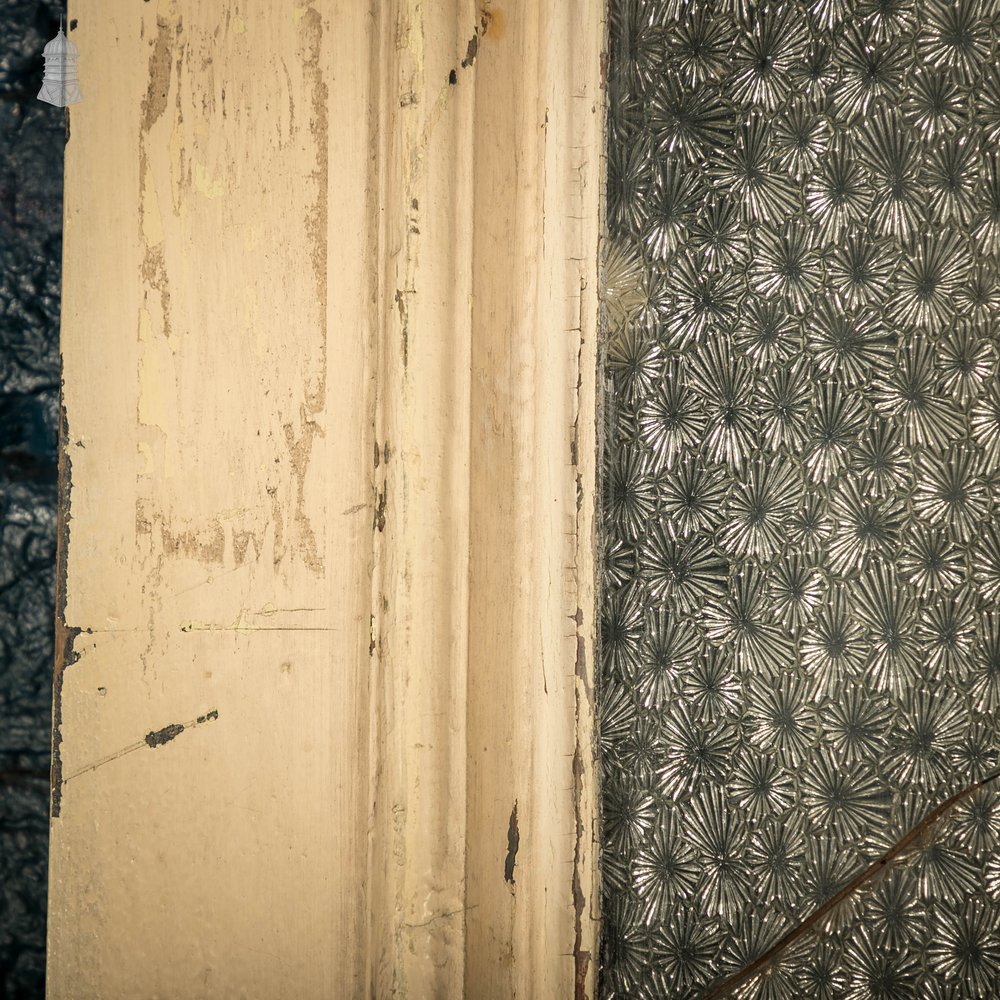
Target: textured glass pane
<point x="801" y="612"/>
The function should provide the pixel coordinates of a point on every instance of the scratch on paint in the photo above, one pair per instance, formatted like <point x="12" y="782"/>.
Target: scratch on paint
<point x="441" y="916"/>
<point x="245" y="622"/>
<point x="152" y="740"/>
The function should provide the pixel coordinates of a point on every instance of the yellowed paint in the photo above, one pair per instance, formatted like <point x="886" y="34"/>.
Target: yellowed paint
<point x="210" y="185"/>
<point x="152" y="224"/>
<point x="155" y="377"/>
<point x="326" y="599"/>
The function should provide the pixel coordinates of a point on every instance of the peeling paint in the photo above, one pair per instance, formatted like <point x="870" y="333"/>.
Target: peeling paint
<point x="242" y="540"/>
<point x="494" y="22"/>
<point x="311" y="31"/>
<point x="513" y="843"/>
<point x="154" y="274"/>
<point x="205" y="542"/>
<point x="404" y="322"/>
<point x="471" y="50"/>
<point x="154" y="320"/>
<point x="207" y="545"/>
<point x="160" y="62"/>
<point x="65" y="635"/>
<point x="581" y="956"/>
<point x="310" y="27"/>
<point x="164" y="735"/>
<point x="291" y="98"/>
<point x="152" y="740"/>
<point x="401" y="158"/>
<point x="299" y="453"/>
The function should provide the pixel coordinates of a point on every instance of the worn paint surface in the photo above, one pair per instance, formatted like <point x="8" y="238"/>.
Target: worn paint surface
<point x="207" y="566"/>
<point x="327" y="531"/>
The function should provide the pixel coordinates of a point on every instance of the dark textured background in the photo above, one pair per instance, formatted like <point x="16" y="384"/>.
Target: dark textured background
<point x="31" y="184"/>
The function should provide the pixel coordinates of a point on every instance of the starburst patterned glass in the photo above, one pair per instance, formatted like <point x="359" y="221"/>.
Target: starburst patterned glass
<point x="800" y="672"/>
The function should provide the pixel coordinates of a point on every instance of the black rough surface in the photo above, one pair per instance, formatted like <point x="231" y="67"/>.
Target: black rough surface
<point x="23" y="862"/>
<point x="32" y="139"/>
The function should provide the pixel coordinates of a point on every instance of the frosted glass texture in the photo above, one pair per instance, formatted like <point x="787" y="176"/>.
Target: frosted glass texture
<point x="800" y="680"/>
